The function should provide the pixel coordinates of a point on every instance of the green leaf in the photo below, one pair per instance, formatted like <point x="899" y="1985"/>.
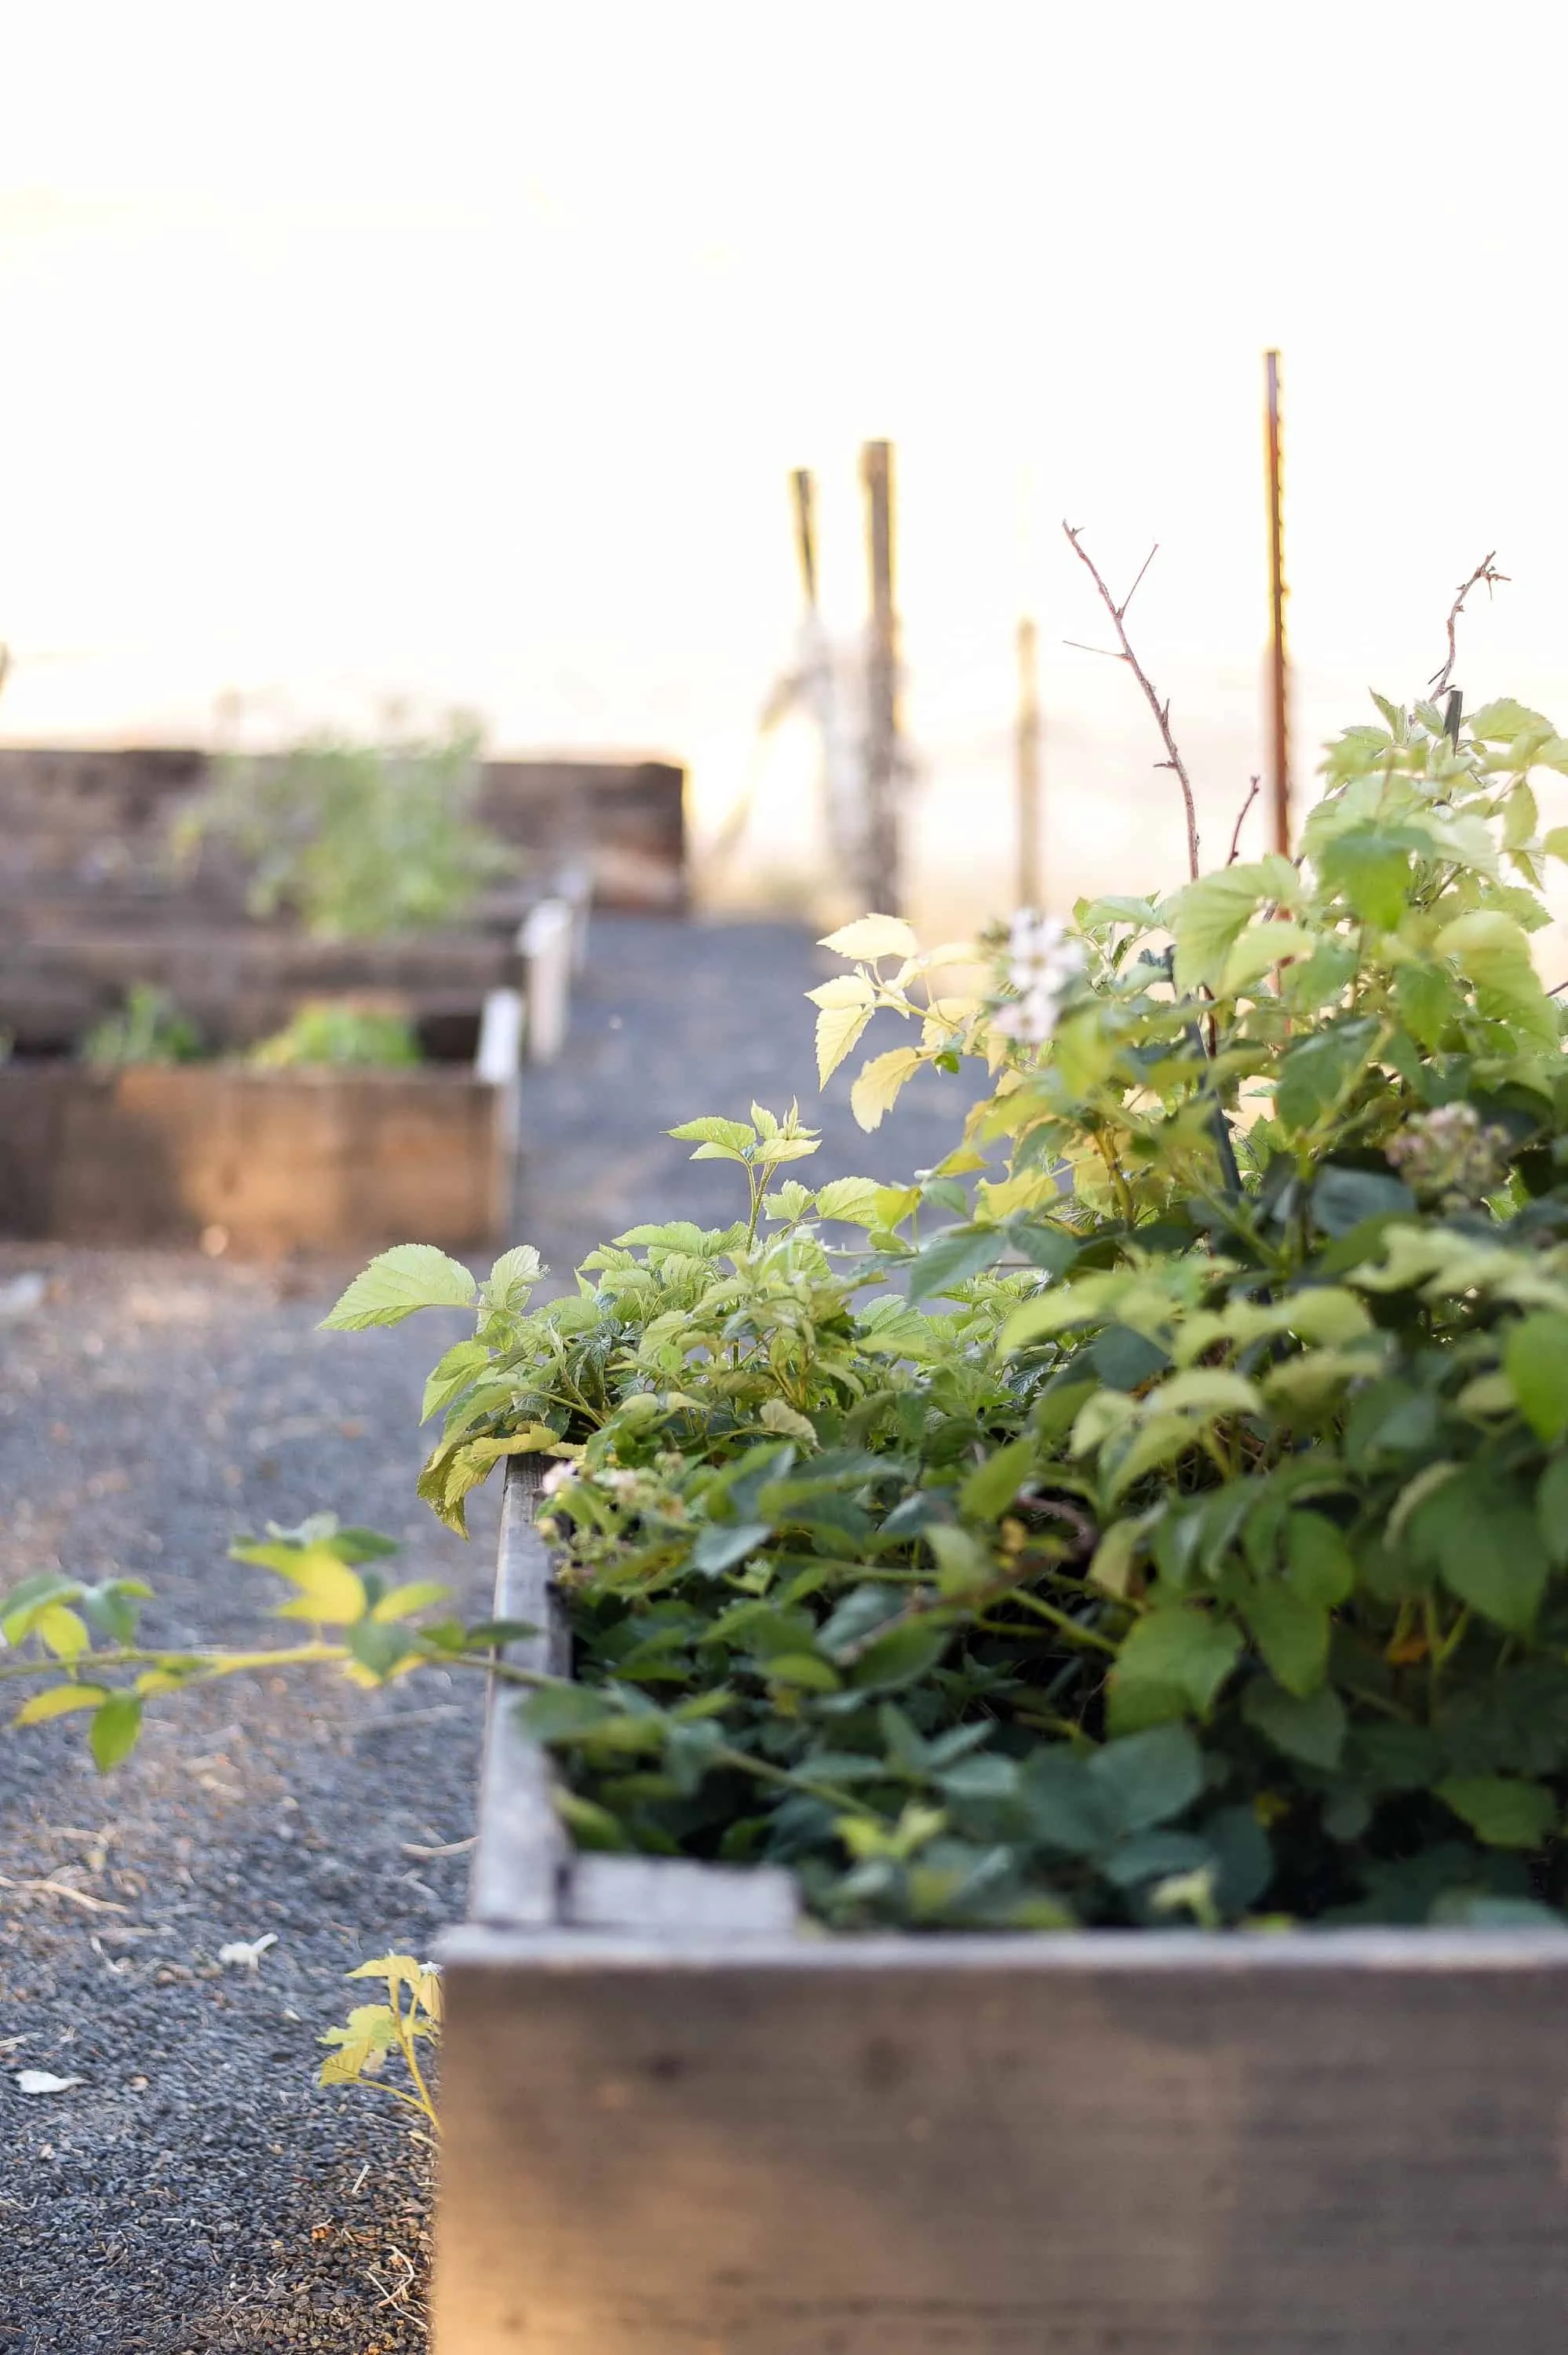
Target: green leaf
<point x="1321" y="1567"/>
<point x="1428" y="1000"/>
<point x="724" y="1543"/>
<point x="1066" y="1809"/>
<point x="963" y="1563"/>
<point x="1174" y="1650"/>
<point x="1535" y="1359"/>
<point x="402" y="1602"/>
<point x="1343" y="1198"/>
<point x="902" y="1657"/>
<point x="61" y="1631"/>
<point x="512" y="1277"/>
<point x="1317" y="1072"/>
<point x="113" y="1733"/>
<point x="1484" y="1540"/>
<point x="1371" y="870"/>
<point x="1493" y="953"/>
<point x="1552" y="1511"/>
<point x="564" y="1712"/>
<point x="1209" y="917"/>
<point x="1291" y="1633"/>
<point x="952" y="1257"/>
<point x="1500" y="1811"/>
<point x="990" y="1488"/>
<point x="1148" y="1778"/>
<point x="451" y="1375"/>
<point x="1310" y="1727"/>
<point x="397" y="1283"/>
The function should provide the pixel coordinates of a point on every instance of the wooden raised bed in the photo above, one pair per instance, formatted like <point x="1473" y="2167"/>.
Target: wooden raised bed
<point x="257" y="1162"/>
<point x="676" y="2124"/>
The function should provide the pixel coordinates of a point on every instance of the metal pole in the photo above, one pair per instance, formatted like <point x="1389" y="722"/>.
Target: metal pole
<point x="1279" y="681"/>
<point x="1029" y="813"/>
<point x="880" y="879"/>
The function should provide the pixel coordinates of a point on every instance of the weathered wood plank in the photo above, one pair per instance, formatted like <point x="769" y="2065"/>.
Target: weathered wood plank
<point x="1155" y="2146"/>
<point x="327" y="1160"/>
<point x="521" y="1858"/>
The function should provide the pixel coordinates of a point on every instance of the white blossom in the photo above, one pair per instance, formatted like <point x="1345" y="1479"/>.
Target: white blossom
<point x="1042" y="963"/>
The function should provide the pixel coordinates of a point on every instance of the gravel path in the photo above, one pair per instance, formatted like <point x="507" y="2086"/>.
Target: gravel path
<point x="198" y="2190"/>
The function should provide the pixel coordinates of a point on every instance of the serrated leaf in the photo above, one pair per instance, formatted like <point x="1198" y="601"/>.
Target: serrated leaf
<point x="871" y="937"/>
<point x="731" y="1136"/>
<point x="879" y="1082"/>
<point x="402" y="1602"/>
<point x="1317" y="1072"/>
<point x="838" y="1030"/>
<point x="451" y="1375"/>
<point x="512" y="1277"/>
<point x="856" y="1200"/>
<point x="397" y="1282"/>
<point x="1502" y="722"/>
<point x="1208" y="918"/>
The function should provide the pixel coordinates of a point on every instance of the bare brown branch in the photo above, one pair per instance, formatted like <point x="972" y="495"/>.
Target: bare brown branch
<point x="1241" y="821"/>
<point x="1485" y="570"/>
<point x="1162" y="710"/>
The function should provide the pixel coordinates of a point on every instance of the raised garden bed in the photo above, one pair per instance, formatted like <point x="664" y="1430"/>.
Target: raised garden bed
<point x="676" y="2123"/>
<point x="256" y="1161"/>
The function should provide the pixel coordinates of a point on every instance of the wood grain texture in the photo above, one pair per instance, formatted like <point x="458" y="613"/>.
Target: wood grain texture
<point x="331" y="1161"/>
<point x="1091" y="2146"/>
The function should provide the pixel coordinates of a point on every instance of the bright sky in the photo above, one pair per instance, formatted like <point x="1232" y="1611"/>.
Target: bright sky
<point x="461" y="352"/>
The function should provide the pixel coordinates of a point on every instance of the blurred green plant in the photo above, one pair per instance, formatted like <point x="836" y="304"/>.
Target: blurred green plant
<point x="149" y="1029"/>
<point x="358" y="841"/>
<point x="336" y="1032"/>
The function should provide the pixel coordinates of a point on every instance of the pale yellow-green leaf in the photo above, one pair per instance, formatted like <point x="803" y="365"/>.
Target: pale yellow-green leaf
<point x="1098" y="1417"/>
<point x="398" y="1282"/>
<point x="61" y="1631"/>
<point x="838" y="1030"/>
<point x="877" y="1088"/>
<point x="328" y="1591"/>
<point x="1260" y="947"/>
<point x="58" y="1701"/>
<point x="871" y="937"/>
<point x="853" y="1200"/>
<point x="844" y="989"/>
<point x="1115" y="1557"/>
<point x="1431" y="1476"/>
<point x="787" y="1421"/>
<point x="419" y="1594"/>
<point x="1205" y="1390"/>
<point x="1158" y="1440"/>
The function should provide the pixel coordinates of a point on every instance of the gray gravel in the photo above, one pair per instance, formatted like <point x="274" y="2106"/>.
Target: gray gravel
<point x="198" y="2190"/>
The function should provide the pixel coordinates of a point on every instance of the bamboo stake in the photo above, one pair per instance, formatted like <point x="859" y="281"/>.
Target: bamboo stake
<point x="1030" y="812"/>
<point x="880" y="880"/>
<point x="1278" y="674"/>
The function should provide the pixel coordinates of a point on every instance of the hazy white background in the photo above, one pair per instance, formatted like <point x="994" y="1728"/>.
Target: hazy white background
<point x="460" y="353"/>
